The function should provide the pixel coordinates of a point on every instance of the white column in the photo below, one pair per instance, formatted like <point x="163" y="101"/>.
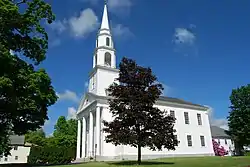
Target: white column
<point x="78" y="147"/>
<point x="83" y="136"/>
<point x="91" y="133"/>
<point x="98" y="129"/>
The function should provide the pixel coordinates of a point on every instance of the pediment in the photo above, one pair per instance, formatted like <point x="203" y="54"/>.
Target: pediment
<point x="87" y="99"/>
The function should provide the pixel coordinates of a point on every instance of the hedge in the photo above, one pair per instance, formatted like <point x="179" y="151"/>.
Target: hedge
<point x="51" y="155"/>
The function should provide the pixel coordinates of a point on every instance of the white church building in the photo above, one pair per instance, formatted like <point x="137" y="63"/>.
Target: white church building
<point x="192" y="123"/>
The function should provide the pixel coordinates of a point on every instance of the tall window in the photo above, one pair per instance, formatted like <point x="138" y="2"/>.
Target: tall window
<point x="186" y="117"/>
<point x="172" y="114"/>
<point x="15" y="147"/>
<point x="95" y="59"/>
<point x="225" y="141"/>
<point x="202" y="138"/>
<point x="16" y="157"/>
<point x="189" y="140"/>
<point x="107" y="59"/>
<point x="199" y="119"/>
<point x="218" y="141"/>
<point x="107" y="41"/>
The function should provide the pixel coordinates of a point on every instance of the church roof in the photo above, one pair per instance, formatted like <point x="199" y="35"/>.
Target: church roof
<point x="180" y="101"/>
<point x="163" y="100"/>
<point x="16" y="140"/>
<point x="218" y="132"/>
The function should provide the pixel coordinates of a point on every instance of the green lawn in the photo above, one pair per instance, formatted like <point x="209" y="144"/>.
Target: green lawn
<point x="178" y="162"/>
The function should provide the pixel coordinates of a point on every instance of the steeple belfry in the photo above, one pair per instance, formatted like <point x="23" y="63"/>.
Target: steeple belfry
<point x="104" y="52"/>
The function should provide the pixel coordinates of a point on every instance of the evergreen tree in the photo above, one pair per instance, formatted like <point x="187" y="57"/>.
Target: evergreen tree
<point x="239" y="116"/>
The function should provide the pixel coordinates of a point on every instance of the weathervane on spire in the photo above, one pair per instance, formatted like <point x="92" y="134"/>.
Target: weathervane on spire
<point x="105" y="2"/>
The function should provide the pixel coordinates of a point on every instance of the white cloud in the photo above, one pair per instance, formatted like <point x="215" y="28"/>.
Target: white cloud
<point x="184" y="36"/>
<point x="114" y="6"/>
<point x="49" y="135"/>
<point x="185" y="41"/>
<point x="93" y="2"/>
<point x="71" y="113"/>
<point x="121" y="31"/>
<point x="84" y="24"/>
<point x="46" y="124"/>
<point x="117" y="4"/>
<point x="78" y="26"/>
<point x="59" y="26"/>
<point x="220" y="122"/>
<point x="120" y="7"/>
<point x="68" y="95"/>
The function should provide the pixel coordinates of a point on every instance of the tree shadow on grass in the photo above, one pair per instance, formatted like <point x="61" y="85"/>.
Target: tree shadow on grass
<point x="142" y="163"/>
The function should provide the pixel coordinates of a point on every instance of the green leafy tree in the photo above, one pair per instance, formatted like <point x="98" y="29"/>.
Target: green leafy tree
<point x="61" y="127"/>
<point x="57" y="149"/>
<point x="37" y="137"/>
<point x="25" y="90"/>
<point x="72" y="123"/>
<point x="136" y="121"/>
<point x="239" y="116"/>
<point x="65" y="132"/>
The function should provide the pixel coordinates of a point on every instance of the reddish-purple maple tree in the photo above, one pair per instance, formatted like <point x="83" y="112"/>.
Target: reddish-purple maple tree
<point x="219" y="150"/>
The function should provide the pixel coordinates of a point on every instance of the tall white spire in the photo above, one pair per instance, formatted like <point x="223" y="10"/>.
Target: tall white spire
<point x="105" y="20"/>
<point x="104" y="58"/>
<point x="104" y="52"/>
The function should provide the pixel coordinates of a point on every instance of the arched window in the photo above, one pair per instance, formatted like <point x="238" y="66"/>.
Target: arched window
<point x="107" y="59"/>
<point x="95" y="59"/>
<point x="107" y="41"/>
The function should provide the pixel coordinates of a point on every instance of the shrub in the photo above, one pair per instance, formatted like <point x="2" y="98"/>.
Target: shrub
<point x="51" y="155"/>
<point x="247" y="153"/>
<point x="35" y="155"/>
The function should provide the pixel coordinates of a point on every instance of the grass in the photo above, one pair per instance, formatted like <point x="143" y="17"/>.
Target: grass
<point x="176" y="162"/>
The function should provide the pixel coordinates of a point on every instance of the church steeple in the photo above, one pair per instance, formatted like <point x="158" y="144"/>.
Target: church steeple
<point x="104" y="69"/>
<point x="104" y="52"/>
<point x="105" y="19"/>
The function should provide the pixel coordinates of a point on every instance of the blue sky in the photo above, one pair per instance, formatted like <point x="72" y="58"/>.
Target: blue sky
<point x="198" y="49"/>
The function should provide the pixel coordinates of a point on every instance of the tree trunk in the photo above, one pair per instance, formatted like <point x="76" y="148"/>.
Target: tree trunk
<point x="139" y="153"/>
<point x="138" y="130"/>
<point x="239" y="149"/>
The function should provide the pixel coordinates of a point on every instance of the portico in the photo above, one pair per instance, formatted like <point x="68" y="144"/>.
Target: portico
<point x="90" y="138"/>
<point x="89" y="133"/>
